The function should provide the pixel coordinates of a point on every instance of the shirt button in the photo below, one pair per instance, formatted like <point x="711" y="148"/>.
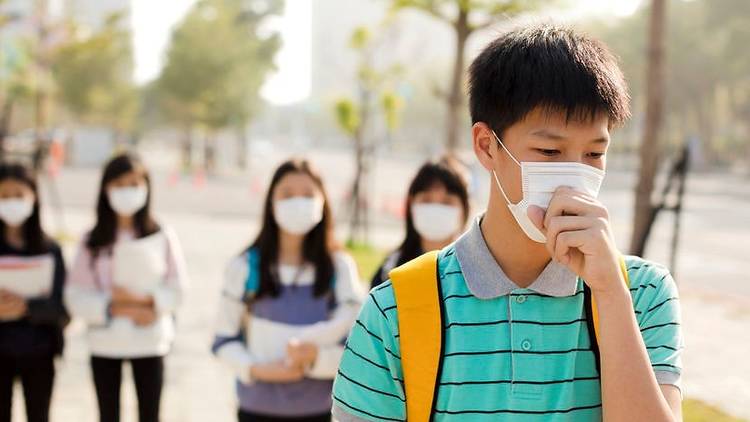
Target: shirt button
<point x="526" y="345"/>
<point x="521" y="299"/>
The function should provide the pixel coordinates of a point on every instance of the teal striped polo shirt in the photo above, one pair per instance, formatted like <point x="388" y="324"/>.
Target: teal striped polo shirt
<point x="510" y="353"/>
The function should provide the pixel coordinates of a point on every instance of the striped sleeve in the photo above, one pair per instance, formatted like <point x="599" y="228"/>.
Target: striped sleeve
<point x="369" y="384"/>
<point x="657" y="307"/>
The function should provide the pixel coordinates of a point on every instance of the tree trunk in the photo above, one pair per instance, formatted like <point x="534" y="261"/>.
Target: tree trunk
<point x="209" y="153"/>
<point x="186" y="148"/>
<point x="359" y="214"/>
<point x="242" y="148"/>
<point x="455" y="95"/>
<point x="5" y="118"/>
<point x="650" y="148"/>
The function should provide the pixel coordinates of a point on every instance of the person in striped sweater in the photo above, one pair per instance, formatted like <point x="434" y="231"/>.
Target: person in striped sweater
<point x="533" y="314"/>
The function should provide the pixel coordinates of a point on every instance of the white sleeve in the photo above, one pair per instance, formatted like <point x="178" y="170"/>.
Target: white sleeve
<point x="348" y="293"/>
<point x="82" y="295"/>
<point x="168" y="295"/>
<point x="229" y="340"/>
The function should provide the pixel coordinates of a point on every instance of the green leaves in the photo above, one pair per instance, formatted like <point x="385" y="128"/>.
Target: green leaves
<point x="347" y="116"/>
<point x="360" y="38"/>
<point x="217" y="62"/>
<point x="392" y="104"/>
<point x="92" y="75"/>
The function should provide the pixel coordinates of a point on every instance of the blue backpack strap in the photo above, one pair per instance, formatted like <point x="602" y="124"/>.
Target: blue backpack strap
<point x="252" y="284"/>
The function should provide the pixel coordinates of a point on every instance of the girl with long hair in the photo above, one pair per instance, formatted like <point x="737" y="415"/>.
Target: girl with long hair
<point x="126" y="284"/>
<point x="287" y="303"/>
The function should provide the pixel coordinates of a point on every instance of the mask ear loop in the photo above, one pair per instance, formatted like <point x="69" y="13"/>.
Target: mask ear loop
<point x="497" y="181"/>
<point x="506" y="149"/>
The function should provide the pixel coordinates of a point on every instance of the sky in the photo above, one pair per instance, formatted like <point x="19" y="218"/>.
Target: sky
<point x="153" y="21"/>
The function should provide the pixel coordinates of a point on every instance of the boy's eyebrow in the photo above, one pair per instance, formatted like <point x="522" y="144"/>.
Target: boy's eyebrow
<point x="544" y="133"/>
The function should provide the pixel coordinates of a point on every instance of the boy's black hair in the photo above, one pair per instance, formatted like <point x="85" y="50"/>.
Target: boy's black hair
<point x="546" y="66"/>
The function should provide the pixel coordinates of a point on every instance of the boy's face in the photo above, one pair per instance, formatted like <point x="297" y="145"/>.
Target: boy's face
<point x="541" y="136"/>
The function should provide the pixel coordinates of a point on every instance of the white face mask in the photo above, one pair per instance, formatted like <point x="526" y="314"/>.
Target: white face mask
<point x="16" y="211"/>
<point x="298" y="215"/>
<point x="436" y="222"/>
<point x="127" y="201"/>
<point x="539" y="180"/>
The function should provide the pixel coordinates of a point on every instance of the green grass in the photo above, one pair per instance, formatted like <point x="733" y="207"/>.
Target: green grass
<point x="369" y="259"/>
<point x="697" y="411"/>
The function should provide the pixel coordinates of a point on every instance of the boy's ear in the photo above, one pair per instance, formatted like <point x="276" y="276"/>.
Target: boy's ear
<point x="483" y="141"/>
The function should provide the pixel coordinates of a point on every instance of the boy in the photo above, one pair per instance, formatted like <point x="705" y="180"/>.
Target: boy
<point x="519" y="292"/>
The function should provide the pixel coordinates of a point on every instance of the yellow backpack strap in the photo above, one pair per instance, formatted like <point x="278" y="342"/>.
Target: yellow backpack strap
<point x="595" y="310"/>
<point x="418" y="301"/>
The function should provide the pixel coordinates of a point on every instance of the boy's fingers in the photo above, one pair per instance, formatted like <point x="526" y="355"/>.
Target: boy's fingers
<point x="536" y="214"/>
<point x="562" y="224"/>
<point x="573" y="203"/>
<point x="566" y="241"/>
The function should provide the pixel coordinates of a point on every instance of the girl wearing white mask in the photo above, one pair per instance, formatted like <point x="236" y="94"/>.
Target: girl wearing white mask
<point x="437" y="207"/>
<point x="287" y="303"/>
<point x="32" y="316"/>
<point x="126" y="284"/>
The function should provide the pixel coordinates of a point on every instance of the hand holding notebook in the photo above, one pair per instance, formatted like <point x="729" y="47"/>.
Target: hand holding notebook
<point x="27" y="277"/>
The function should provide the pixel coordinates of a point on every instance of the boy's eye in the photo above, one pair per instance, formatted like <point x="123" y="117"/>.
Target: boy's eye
<point x="548" y="152"/>
<point x="596" y="154"/>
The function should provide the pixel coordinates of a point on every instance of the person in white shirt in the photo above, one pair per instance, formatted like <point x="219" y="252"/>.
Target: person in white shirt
<point x="126" y="283"/>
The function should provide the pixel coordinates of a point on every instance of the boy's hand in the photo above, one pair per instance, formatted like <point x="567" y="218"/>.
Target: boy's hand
<point x="579" y="237"/>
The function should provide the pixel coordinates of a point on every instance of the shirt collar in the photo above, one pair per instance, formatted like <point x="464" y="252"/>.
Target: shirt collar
<point x="486" y="280"/>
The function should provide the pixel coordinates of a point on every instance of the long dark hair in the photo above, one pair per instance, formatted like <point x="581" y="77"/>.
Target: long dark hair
<point x="36" y="241"/>
<point x="103" y="235"/>
<point x="450" y="173"/>
<point x="317" y="247"/>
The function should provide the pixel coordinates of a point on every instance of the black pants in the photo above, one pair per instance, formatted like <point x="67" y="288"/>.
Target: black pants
<point x="254" y="417"/>
<point x="148" y="374"/>
<point x="37" y="374"/>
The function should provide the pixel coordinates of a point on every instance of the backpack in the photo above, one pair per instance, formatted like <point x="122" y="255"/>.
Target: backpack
<point x="418" y="294"/>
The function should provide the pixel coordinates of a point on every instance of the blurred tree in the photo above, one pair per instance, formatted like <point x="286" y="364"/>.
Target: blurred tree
<point x="15" y="84"/>
<point x="93" y="76"/>
<point x="354" y="117"/>
<point x="650" y="151"/>
<point x="705" y="93"/>
<point x="707" y="74"/>
<point x="465" y="17"/>
<point x="217" y="61"/>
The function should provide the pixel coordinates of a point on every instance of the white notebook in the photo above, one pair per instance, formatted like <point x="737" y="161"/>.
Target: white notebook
<point x="140" y="265"/>
<point x="27" y="276"/>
